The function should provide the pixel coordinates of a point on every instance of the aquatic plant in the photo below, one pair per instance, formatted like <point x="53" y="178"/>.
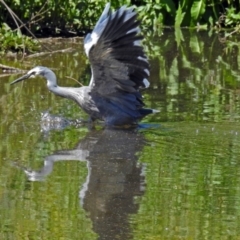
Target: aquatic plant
<point x="77" y="17"/>
<point x="15" y="41"/>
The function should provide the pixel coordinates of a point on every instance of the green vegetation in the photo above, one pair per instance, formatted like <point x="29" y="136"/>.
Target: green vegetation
<point x="14" y="40"/>
<point x="77" y="17"/>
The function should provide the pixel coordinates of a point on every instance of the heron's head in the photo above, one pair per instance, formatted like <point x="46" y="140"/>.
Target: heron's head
<point x="39" y="70"/>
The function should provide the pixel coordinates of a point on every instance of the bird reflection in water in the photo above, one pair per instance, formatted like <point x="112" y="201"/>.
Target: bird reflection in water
<point x="114" y="178"/>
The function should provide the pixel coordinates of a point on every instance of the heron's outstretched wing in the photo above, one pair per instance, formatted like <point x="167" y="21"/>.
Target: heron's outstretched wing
<point x="117" y="59"/>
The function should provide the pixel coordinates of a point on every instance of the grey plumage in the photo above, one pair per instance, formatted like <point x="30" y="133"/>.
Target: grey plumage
<point x="119" y="67"/>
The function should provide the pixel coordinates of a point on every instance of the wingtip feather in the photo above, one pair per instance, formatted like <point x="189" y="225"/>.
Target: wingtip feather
<point x="155" y="111"/>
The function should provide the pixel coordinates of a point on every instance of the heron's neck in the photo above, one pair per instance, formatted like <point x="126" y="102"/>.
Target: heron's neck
<point x="50" y="77"/>
<point x="52" y="84"/>
<point x="54" y="88"/>
<point x="65" y="92"/>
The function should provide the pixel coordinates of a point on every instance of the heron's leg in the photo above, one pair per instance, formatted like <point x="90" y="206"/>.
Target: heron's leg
<point x="80" y="121"/>
<point x="91" y="123"/>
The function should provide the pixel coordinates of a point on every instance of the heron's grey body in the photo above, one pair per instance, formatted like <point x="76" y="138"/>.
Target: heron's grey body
<point x="119" y="67"/>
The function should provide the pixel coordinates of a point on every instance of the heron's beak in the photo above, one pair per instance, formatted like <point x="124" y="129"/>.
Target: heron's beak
<point x="26" y="76"/>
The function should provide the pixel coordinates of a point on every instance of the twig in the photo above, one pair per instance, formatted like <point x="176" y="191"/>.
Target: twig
<point x="35" y="16"/>
<point x="5" y="75"/>
<point x="39" y="13"/>
<point x="24" y="24"/>
<point x="10" y="69"/>
<point x="231" y="33"/>
<point x="75" y="80"/>
<point x="46" y="53"/>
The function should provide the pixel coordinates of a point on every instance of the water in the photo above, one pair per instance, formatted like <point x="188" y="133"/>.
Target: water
<point x="176" y="177"/>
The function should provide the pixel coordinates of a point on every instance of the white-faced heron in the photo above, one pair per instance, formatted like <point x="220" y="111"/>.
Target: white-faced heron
<point x="120" y="69"/>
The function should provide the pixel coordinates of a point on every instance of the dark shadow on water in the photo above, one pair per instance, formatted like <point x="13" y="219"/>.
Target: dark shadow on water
<point x="114" y="178"/>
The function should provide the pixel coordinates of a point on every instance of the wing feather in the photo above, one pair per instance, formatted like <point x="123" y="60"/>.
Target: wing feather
<point x="117" y="59"/>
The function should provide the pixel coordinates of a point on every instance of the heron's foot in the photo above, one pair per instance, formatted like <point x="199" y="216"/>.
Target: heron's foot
<point x="78" y="122"/>
<point x="91" y="123"/>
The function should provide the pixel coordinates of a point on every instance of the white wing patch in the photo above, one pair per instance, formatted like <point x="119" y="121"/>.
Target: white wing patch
<point x="146" y="71"/>
<point x="146" y="82"/>
<point x="137" y="43"/>
<point x="94" y="38"/>
<point x="137" y="30"/>
<point x="142" y="59"/>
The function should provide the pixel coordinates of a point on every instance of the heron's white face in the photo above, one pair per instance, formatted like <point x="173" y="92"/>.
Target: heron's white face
<point x="35" y="72"/>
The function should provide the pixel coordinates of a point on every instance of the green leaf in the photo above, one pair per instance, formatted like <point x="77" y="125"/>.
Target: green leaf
<point x="198" y="8"/>
<point x="179" y="17"/>
<point x="178" y="36"/>
<point x="195" y="45"/>
<point x="6" y="27"/>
